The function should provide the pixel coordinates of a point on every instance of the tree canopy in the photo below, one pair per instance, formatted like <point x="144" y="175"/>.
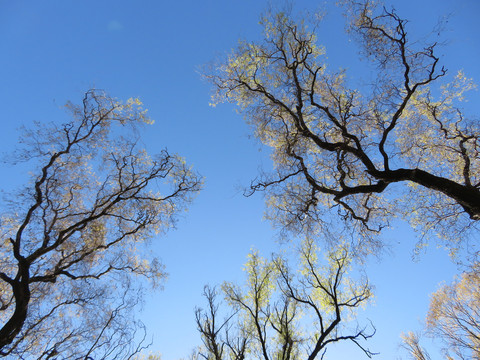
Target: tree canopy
<point x="454" y="315"/>
<point x="337" y="146"/>
<point x="453" y="319"/>
<point x="72" y="237"/>
<point x="286" y="312"/>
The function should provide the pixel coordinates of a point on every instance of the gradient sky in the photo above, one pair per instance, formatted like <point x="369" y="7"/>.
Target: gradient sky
<point x="53" y="51"/>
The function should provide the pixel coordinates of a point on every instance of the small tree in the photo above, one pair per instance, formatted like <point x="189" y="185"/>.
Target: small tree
<point x="454" y="316"/>
<point x="71" y="240"/>
<point x="453" y="319"/>
<point x="335" y="146"/>
<point x="285" y="314"/>
<point x="411" y="343"/>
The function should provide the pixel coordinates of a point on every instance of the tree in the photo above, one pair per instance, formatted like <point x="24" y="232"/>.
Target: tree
<point x="411" y="342"/>
<point x="285" y="314"/>
<point x="218" y="340"/>
<point x="72" y="239"/>
<point x="454" y="316"/>
<point x="337" y="147"/>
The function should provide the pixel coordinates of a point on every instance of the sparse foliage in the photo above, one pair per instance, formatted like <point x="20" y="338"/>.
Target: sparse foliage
<point x="338" y="147"/>
<point x="72" y="239"/>
<point x="453" y="319"/>
<point x="454" y="316"/>
<point x="283" y="313"/>
<point x="411" y="342"/>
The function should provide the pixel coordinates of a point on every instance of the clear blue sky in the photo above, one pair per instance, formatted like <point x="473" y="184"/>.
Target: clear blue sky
<point x="53" y="51"/>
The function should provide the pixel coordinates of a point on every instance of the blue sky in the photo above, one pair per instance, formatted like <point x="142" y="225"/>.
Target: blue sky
<point x="53" y="51"/>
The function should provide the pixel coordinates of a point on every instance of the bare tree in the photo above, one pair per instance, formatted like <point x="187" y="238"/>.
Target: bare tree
<point x="338" y="147"/>
<point x="282" y="314"/>
<point x="72" y="239"/>
<point x="217" y="337"/>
